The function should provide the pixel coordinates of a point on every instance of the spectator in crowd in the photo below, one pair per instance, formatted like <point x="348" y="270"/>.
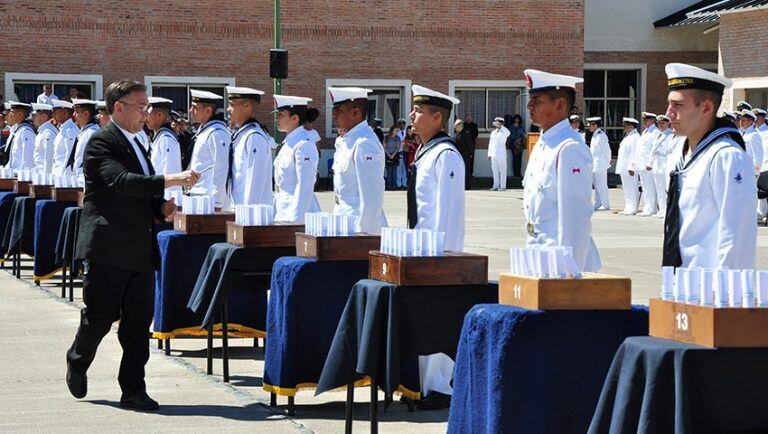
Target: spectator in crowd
<point x="464" y="144"/>
<point x="402" y="171"/>
<point x="47" y="96"/>
<point x="471" y="127"/>
<point x="73" y="93"/>
<point x="410" y="145"/>
<point x="185" y="141"/>
<point x="516" y="143"/>
<point x="313" y="134"/>
<point x="376" y="126"/>
<point x="392" y="149"/>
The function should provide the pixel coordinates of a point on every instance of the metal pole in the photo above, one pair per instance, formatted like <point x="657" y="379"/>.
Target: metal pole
<point x="278" y="86"/>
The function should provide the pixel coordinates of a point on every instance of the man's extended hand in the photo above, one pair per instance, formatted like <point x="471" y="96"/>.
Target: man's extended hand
<point x="187" y="178"/>
<point x="169" y="210"/>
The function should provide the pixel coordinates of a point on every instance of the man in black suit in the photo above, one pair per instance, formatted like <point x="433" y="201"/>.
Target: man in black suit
<point x="117" y="243"/>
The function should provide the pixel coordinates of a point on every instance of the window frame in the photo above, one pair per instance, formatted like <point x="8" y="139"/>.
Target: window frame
<point x="95" y="80"/>
<point x="490" y="85"/>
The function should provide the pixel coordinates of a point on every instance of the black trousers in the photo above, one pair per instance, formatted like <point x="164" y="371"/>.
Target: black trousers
<point x="112" y="294"/>
<point x="517" y="161"/>
<point x="469" y="169"/>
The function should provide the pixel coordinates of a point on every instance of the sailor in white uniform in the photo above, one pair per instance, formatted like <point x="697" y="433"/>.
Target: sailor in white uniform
<point x="436" y="202"/>
<point x="710" y="220"/>
<point x="557" y="193"/>
<point x="296" y="162"/>
<point x="752" y="139"/>
<point x="165" y="155"/>
<point x="65" y="138"/>
<point x="358" y="162"/>
<point x="762" y="129"/>
<point x="250" y="178"/>
<point x="497" y="154"/>
<point x="210" y="147"/>
<point x="42" y="117"/>
<point x="601" y="161"/>
<point x="625" y="165"/>
<point x="103" y="115"/>
<point x="20" y="146"/>
<point x="659" y="153"/>
<point x="575" y="121"/>
<point x="85" y="117"/>
<point x="643" y="163"/>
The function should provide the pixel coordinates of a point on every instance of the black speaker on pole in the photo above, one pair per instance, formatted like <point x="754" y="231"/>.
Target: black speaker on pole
<point x="278" y="63"/>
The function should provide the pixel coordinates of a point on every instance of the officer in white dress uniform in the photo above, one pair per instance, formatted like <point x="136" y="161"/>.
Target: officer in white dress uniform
<point x="575" y="121"/>
<point x="762" y="129"/>
<point x="436" y="202"/>
<point x="358" y="162"/>
<point x="752" y="138"/>
<point x="103" y="115"/>
<point x="497" y="154"/>
<point x="165" y="155"/>
<point x="210" y="147"/>
<point x="710" y="220"/>
<point x="601" y="161"/>
<point x="643" y="162"/>
<point x="557" y="195"/>
<point x="21" y="141"/>
<point x="625" y="165"/>
<point x="296" y="162"/>
<point x="659" y="153"/>
<point x="65" y="138"/>
<point x="42" y="116"/>
<point x="85" y="117"/>
<point x="250" y="178"/>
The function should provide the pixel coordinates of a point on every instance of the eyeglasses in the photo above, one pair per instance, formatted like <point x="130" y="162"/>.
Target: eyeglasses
<point x="142" y="108"/>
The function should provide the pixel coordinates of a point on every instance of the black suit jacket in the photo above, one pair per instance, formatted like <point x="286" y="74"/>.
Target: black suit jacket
<point x="121" y="204"/>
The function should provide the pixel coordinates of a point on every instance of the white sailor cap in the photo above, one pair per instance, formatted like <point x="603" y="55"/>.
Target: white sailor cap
<point x="60" y="103"/>
<point x="759" y="112"/>
<point x="630" y="121"/>
<point x="101" y="105"/>
<point x="204" y="96"/>
<point x="14" y="104"/>
<point x="285" y="101"/>
<point x="341" y="95"/>
<point x="540" y="81"/>
<point x="662" y="118"/>
<point x="574" y="118"/>
<point x="648" y="115"/>
<point x="423" y="95"/>
<point x="498" y="119"/>
<point x="747" y="113"/>
<point x="235" y="92"/>
<point x="682" y="76"/>
<point x="741" y="105"/>
<point x="729" y="114"/>
<point x="76" y="102"/>
<point x="402" y="121"/>
<point x="6" y="106"/>
<point x="156" y="101"/>
<point x="594" y="119"/>
<point x="41" y="107"/>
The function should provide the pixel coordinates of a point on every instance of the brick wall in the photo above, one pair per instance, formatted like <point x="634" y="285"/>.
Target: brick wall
<point x="656" y="80"/>
<point x="743" y="38"/>
<point x="429" y="42"/>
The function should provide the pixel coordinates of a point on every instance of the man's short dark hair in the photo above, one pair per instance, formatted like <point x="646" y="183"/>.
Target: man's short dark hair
<point x="568" y="94"/>
<point x="444" y="112"/>
<point x="119" y="90"/>
<point x="360" y="104"/>
<point x="700" y="95"/>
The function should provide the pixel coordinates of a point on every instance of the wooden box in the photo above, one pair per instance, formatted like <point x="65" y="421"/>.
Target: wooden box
<point x="726" y="327"/>
<point x="21" y="187"/>
<point x="530" y="142"/>
<point x="40" y="191"/>
<point x="353" y="248"/>
<point x="590" y="292"/>
<point x="66" y="194"/>
<point x="6" y="184"/>
<point x="202" y="223"/>
<point x="453" y="268"/>
<point x="277" y="235"/>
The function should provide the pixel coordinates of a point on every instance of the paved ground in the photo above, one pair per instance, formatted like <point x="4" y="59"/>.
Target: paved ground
<point x="38" y="329"/>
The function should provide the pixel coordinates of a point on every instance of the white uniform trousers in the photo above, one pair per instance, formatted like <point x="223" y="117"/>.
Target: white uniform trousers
<point x="499" y="169"/>
<point x="436" y="373"/>
<point x="600" y="182"/>
<point x="649" y="192"/>
<point x="631" y="192"/>
<point x="660" y="179"/>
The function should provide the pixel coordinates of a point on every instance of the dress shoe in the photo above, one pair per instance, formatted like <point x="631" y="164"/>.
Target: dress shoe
<point x="434" y="401"/>
<point x="140" y="401"/>
<point x="77" y="383"/>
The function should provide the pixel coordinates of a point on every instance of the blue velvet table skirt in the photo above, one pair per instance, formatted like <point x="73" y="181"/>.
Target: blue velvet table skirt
<point x="306" y="301"/>
<point x="20" y="228"/>
<point x="48" y="218"/>
<point x="533" y="371"/>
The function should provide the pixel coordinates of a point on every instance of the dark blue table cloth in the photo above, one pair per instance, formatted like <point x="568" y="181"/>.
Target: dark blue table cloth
<point x="306" y="301"/>
<point x="19" y="231"/>
<point x="533" y="371"/>
<point x="6" y="203"/>
<point x="181" y="259"/>
<point x="48" y="217"/>
<point x="384" y="327"/>
<point x="67" y="238"/>
<point x="662" y="386"/>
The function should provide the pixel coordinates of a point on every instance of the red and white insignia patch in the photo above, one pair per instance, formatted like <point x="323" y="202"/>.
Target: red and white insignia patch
<point x="306" y="158"/>
<point x="368" y="157"/>
<point x="575" y="170"/>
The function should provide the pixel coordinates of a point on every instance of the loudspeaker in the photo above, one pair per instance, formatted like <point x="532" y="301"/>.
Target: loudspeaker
<point x="278" y="63"/>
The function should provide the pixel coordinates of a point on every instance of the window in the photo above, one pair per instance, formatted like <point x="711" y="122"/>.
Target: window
<point x="26" y="87"/>
<point x="757" y="97"/>
<point x="386" y="104"/>
<point x="485" y="104"/>
<point x="612" y="95"/>
<point x="177" y="89"/>
<point x="389" y="101"/>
